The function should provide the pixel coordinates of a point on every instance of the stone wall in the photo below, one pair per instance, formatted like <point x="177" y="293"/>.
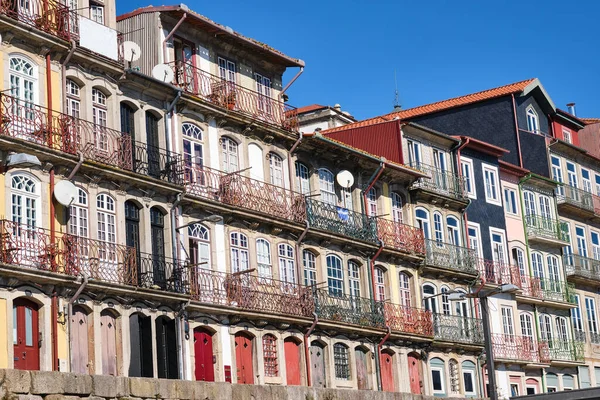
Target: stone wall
<point x="35" y="385"/>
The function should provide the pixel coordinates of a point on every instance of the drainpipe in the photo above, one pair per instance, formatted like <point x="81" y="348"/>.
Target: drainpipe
<point x="180" y="340"/>
<point x="372" y="180"/>
<point x="290" y="165"/>
<point x="82" y="286"/>
<point x="164" y="44"/>
<point x="372" y="266"/>
<point x="290" y="83"/>
<point x="514" y="104"/>
<point x="378" y="355"/>
<point x="72" y="174"/>
<point x="170" y="128"/>
<point x="306" y="352"/>
<point x="174" y="232"/>
<point x="304" y="232"/>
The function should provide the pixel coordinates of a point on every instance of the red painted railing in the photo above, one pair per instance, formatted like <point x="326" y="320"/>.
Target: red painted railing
<point x="400" y="236"/>
<point x="234" y="97"/>
<point x="408" y="319"/>
<point x="250" y="292"/>
<point x="499" y="273"/>
<point x="251" y="194"/>
<point x="49" y="16"/>
<point x="518" y="348"/>
<point x="33" y="123"/>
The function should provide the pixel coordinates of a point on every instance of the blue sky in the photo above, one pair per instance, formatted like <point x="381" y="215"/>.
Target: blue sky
<point x="439" y="49"/>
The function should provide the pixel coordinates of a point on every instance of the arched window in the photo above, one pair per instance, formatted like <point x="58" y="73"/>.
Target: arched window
<point x="354" y="279"/>
<point x="270" y="355"/>
<point x="532" y="120"/>
<point x="561" y="329"/>
<point x="335" y="275"/>
<point x="405" y="292"/>
<point x="422" y="217"/>
<point x="519" y="260"/>
<point x="276" y="169"/>
<point x="537" y="263"/>
<point x="263" y="257"/>
<point x="445" y="300"/>
<point x="397" y="207"/>
<point x="229" y="155"/>
<point x="438" y="227"/>
<point x="429" y="302"/>
<point x="105" y="212"/>
<point x="24" y="200"/>
<point x="341" y="361"/>
<point x="157" y="237"/>
<point x="23" y="81"/>
<point x="78" y="215"/>
<point x="73" y="98"/>
<point x="132" y="227"/>
<point x="193" y="152"/>
<point x="453" y="231"/>
<point x="326" y="186"/>
<point x="302" y="178"/>
<point x="239" y="251"/>
<point x="128" y="119"/>
<point x="287" y="263"/>
<point x="553" y="273"/>
<point x="379" y="284"/>
<point x="310" y="268"/>
<point x="199" y="243"/>
<point x="99" y="116"/>
<point x="546" y="328"/>
<point x="372" y="202"/>
<point x="526" y="325"/>
<point x="529" y="202"/>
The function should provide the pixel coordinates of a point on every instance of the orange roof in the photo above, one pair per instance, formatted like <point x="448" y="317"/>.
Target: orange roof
<point x="516" y="87"/>
<point x="312" y="107"/>
<point x="590" y="121"/>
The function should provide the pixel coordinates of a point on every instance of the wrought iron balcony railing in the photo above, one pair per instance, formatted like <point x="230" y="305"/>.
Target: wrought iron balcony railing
<point x="580" y="336"/>
<point x="547" y="289"/>
<point x="234" y="97"/>
<point x="575" y="196"/>
<point x="455" y="328"/>
<point x="498" y="273"/>
<point x="564" y="350"/>
<point x="538" y="226"/>
<point x="49" y="16"/>
<point x="165" y="273"/>
<point x="240" y="191"/>
<point x="416" y="321"/>
<point x="348" y="309"/>
<point x="595" y="337"/>
<point x="157" y="163"/>
<point x="442" y="182"/>
<point x="400" y="236"/>
<point x="517" y="348"/>
<point x="445" y="255"/>
<point x="72" y="255"/>
<point x="581" y="266"/>
<point x="342" y="221"/>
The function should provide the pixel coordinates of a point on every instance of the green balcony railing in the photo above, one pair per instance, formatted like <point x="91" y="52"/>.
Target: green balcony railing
<point x="445" y="255"/>
<point x="455" y="328"/>
<point x="548" y="228"/>
<point x="582" y="266"/>
<point x="442" y="182"/>
<point x="577" y="197"/>
<point x="565" y="350"/>
<point x="547" y="289"/>
<point x="339" y="220"/>
<point x="349" y="309"/>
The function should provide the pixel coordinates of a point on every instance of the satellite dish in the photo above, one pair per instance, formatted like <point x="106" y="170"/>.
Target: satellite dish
<point x="65" y="192"/>
<point x="345" y="179"/>
<point x="131" y="51"/>
<point x="163" y="72"/>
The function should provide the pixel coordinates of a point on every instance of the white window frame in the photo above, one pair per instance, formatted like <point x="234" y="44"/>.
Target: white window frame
<point x="424" y="223"/>
<point x="511" y="201"/>
<point x="227" y="69"/>
<point x="533" y="122"/>
<point x="473" y="384"/>
<point x="79" y="214"/>
<point x="441" y="370"/>
<point x="591" y="314"/>
<point x="475" y="241"/>
<point x="491" y="185"/>
<point x="309" y="262"/>
<point x="264" y="258"/>
<point x="508" y="324"/>
<point x="240" y="257"/>
<point x="587" y="181"/>
<point x="468" y="173"/>
<point x="327" y="186"/>
<point x="302" y="178"/>
<point x="230" y="154"/>
<point x="353" y="279"/>
<point x="397" y="212"/>
<point x="557" y="173"/>
<point x="567" y="135"/>
<point x="276" y="170"/>
<point x="576" y="316"/>
<point x="372" y="202"/>
<point x="97" y="13"/>
<point x="287" y="263"/>
<point x="415" y="155"/>
<point x="504" y="254"/>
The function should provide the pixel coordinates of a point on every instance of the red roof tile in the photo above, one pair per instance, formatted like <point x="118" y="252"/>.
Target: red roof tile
<point x="590" y="121"/>
<point x="312" y="107"/>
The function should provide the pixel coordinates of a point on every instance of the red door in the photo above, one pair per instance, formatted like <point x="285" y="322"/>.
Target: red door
<point x="414" y="371"/>
<point x="80" y="356"/>
<point x="387" y="372"/>
<point x="108" y="326"/>
<point x="26" y="336"/>
<point x="292" y="361"/>
<point x="203" y="350"/>
<point x="243" y="356"/>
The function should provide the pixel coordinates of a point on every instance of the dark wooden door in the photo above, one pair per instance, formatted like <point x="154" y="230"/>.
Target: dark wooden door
<point x="203" y="351"/>
<point x="157" y="227"/>
<point x="26" y="339"/>
<point x="243" y="356"/>
<point x="292" y="361"/>
<point x="317" y="365"/>
<point x="140" y="339"/>
<point x="132" y="232"/>
<point x="166" y="348"/>
<point x="362" y="370"/>
<point x="80" y="340"/>
<point x="387" y="372"/>
<point x="108" y="329"/>
<point x="414" y="372"/>
<point x="153" y="146"/>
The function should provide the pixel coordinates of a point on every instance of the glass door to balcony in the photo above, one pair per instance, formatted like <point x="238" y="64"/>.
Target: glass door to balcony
<point x="153" y="147"/>
<point x="439" y="162"/>
<point x="132" y="232"/>
<point x="158" y="247"/>
<point x="184" y="61"/>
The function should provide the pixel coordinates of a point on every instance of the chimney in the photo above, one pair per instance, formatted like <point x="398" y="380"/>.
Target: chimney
<point x="397" y="107"/>
<point x="571" y="108"/>
<point x="337" y="107"/>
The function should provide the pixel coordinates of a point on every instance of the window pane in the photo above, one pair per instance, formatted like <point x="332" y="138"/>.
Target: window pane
<point x="28" y="327"/>
<point x="436" y="378"/>
<point x="468" y="380"/>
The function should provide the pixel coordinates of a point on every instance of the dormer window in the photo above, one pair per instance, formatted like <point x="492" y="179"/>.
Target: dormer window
<point x="532" y="121"/>
<point x="567" y="135"/>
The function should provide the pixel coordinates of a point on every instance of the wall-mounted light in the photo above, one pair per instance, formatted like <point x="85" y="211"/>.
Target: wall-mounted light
<point x="21" y="160"/>
<point x="211" y="218"/>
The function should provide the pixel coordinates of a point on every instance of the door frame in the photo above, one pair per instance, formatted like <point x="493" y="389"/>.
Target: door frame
<point x="368" y="365"/>
<point x="43" y="304"/>
<point x="91" y="337"/>
<point x="215" y="350"/>
<point x="118" y="332"/>
<point x="24" y="302"/>
<point x="419" y="359"/>
<point x="394" y="357"/>
<point x="254" y="340"/>
<point x="300" y="344"/>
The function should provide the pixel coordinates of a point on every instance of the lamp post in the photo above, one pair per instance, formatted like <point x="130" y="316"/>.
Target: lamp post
<point x="487" y="333"/>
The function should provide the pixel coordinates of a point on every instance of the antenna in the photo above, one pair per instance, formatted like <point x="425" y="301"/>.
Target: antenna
<point x="397" y="106"/>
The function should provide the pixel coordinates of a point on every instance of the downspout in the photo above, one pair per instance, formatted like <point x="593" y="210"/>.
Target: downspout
<point x="372" y="180"/>
<point x="77" y="166"/>
<point x="290" y="166"/>
<point x="180" y="339"/>
<point x="170" y="128"/>
<point x="378" y="354"/>
<point x="372" y="266"/>
<point x="175" y="250"/>
<point x="517" y="131"/>
<point x="164" y="44"/>
<point x="70" y="313"/>
<point x="306" y="352"/>
<point x="290" y="82"/>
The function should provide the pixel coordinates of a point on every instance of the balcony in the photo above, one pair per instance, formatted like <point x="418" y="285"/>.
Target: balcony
<point x="450" y="257"/>
<point x="162" y="273"/>
<point x="577" y="201"/>
<point x="583" y="269"/>
<point x="546" y="290"/>
<point x="347" y="309"/>
<point x="341" y="221"/>
<point x="458" y="329"/>
<point x="49" y="16"/>
<point x="498" y="273"/>
<point x="442" y="183"/>
<point x="246" y="193"/>
<point x="409" y="320"/>
<point x="398" y="236"/>
<point x="235" y="98"/>
<point x="70" y="255"/>
<point x="564" y="351"/>
<point x="545" y="230"/>
<point x="157" y="163"/>
<point x="515" y="348"/>
<point x="249" y="292"/>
